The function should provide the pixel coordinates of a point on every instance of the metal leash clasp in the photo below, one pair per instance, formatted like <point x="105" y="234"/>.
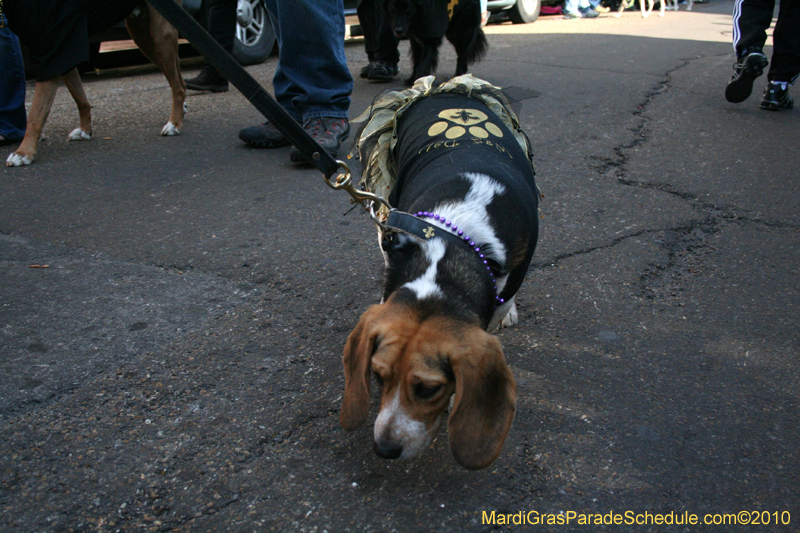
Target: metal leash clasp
<point x="344" y="181"/>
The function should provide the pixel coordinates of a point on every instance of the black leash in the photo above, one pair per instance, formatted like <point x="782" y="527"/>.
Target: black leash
<point x="248" y="86"/>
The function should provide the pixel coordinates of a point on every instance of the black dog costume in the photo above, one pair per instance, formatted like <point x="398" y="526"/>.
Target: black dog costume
<point x="425" y="147"/>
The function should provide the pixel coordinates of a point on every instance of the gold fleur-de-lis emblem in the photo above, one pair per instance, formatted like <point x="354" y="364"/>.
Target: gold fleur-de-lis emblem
<point x="428" y="232"/>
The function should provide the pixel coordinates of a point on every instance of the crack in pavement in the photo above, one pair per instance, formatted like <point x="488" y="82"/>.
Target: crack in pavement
<point x="715" y="214"/>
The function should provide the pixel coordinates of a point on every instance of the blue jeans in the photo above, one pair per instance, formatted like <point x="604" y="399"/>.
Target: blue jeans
<point x="12" y="87"/>
<point x="312" y="79"/>
<point x="573" y="6"/>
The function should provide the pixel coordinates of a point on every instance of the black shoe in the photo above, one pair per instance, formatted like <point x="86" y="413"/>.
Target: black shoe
<point x="263" y="136"/>
<point x="206" y="81"/>
<point x="383" y="71"/>
<point x="749" y="67"/>
<point x="776" y="98"/>
<point x="365" y="70"/>
<point x="329" y="132"/>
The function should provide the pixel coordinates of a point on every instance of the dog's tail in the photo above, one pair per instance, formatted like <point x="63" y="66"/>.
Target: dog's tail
<point x="478" y="48"/>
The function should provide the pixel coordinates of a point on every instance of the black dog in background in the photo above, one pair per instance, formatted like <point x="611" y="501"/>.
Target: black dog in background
<point x="426" y="22"/>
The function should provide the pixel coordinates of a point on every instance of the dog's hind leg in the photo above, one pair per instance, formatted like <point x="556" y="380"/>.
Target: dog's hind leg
<point x="73" y="82"/>
<point x="158" y="41"/>
<point x="43" y="97"/>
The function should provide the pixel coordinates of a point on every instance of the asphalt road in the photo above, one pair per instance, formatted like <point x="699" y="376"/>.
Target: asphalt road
<point x="177" y="364"/>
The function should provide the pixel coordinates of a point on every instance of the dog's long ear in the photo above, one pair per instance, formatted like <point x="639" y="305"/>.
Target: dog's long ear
<point x="484" y="405"/>
<point x="356" y="359"/>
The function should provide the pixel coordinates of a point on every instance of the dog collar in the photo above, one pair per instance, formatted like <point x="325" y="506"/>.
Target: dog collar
<point x="416" y="226"/>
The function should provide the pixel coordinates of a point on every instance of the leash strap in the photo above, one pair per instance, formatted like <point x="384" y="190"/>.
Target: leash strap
<point x="247" y="85"/>
<point x="401" y="222"/>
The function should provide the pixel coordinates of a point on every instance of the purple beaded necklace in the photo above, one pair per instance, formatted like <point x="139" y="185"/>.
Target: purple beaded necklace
<point x="460" y="233"/>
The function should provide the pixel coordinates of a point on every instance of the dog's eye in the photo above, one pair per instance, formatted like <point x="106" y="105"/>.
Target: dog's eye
<point x="426" y="393"/>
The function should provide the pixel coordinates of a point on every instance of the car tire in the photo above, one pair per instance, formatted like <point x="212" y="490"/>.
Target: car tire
<point x="525" y="11"/>
<point x="255" y="37"/>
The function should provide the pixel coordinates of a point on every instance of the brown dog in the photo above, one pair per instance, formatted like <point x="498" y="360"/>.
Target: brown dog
<point x="154" y="36"/>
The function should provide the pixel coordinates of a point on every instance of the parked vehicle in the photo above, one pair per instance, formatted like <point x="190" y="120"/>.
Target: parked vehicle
<point x="255" y="37"/>
<point x="518" y="11"/>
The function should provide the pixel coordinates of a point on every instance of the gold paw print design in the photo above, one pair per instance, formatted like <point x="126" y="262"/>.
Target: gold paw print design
<point x="460" y="121"/>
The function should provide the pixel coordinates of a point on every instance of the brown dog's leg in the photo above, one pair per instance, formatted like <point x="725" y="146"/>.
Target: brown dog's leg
<point x="158" y="41"/>
<point x="73" y="82"/>
<point x="43" y="97"/>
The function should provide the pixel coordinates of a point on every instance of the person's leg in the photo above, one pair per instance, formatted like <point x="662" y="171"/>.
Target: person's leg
<point x="751" y="19"/>
<point x="571" y="8"/>
<point x="12" y="88"/>
<point x="367" y="18"/>
<point x="221" y="17"/>
<point x="785" y="65"/>
<point x="387" y="56"/>
<point x="312" y="79"/>
<point x="387" y="40"/>
<point x="786" y="39"/>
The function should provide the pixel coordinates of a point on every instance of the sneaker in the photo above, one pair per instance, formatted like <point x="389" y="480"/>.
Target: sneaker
<point x="207" y="81"/>
<point x="383" y="71"/>
<point x="329" y="132"/>
<point x="366" y="69"/>
<point x="602" y="9"/>
<point x="776" y="97"/>
<point x="265" y="135"/>
<point x="750" y="66"/>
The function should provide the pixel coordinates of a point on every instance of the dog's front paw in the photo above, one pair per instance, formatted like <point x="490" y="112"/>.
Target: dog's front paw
<point x="79" y="135"/>
<point x="170" y="129"/>
<point x="18" y="160"/>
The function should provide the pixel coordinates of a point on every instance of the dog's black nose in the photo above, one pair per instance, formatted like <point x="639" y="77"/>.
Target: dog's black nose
<point x="388" y="450"/>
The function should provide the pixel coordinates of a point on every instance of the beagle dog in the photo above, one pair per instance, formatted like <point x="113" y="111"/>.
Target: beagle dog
<point x="462" y="239"/>
<point x="57" y="33"/>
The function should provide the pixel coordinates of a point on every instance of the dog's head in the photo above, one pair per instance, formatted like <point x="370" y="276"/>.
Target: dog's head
<point x="419" y="364"/>
<point x="401" y="12"/>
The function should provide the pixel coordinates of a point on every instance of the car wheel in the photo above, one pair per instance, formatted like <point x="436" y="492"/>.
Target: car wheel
<point x="255" y="37"/>
<point x="524" y="11"/>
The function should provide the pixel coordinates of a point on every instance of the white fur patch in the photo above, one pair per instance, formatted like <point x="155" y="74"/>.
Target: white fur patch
<point x="79" y="135"/>
<point x="425" y="286"/>
<point x="470" y="215"/>
<point x="15" y="160"/>
<point x="394" y="425"/>
<point x="170" y="129"/>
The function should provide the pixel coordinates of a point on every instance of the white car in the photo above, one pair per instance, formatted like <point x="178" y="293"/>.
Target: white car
<point x="519" y="11"/>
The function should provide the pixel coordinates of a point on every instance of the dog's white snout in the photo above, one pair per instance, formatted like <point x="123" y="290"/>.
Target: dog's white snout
<point x="397" y="435"/>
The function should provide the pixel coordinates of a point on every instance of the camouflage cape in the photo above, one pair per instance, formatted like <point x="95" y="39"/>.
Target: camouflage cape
<point x="375" y="140"/>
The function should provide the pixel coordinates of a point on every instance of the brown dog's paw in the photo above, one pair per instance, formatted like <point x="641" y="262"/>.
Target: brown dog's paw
<point x="19" y="160"/>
